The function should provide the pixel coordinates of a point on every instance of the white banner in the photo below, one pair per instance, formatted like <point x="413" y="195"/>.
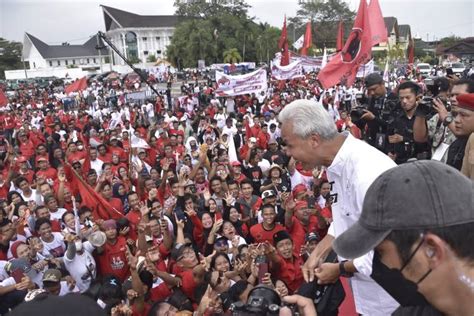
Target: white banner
<point x="365" y="70"/>
<point x="299" y="42"/>
<point x="253" y="82"/>
<point x="293" y="70"/>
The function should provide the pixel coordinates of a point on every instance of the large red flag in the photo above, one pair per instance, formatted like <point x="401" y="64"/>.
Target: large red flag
<point x="3" y="98"/>
<point x="308" y="40"/>
<point x="99" y="206"/>
<point x="340" y="36"/>
<point x="377" y="24"/>
<point x="411" y="52"/>
<point x="357" y="51"/>
<point x="283" y="46"/>
<point x="77" y="85"/>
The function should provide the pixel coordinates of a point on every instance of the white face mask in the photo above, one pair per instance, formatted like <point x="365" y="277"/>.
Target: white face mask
<point x="78" y="244"/>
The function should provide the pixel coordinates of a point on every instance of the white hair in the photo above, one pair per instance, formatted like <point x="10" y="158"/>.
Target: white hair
<point x="308" y="117"/>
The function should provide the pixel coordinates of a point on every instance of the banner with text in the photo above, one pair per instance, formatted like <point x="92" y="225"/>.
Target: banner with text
<point x="253" y="82"/>
<point x="293" y="70"/>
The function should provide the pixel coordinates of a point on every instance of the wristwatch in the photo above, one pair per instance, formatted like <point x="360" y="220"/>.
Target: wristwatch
<point x="342" y="270"/>
<point x="448" y="120"/>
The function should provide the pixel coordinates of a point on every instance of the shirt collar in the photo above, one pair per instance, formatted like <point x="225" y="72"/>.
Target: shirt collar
<point x="342" y="155"/>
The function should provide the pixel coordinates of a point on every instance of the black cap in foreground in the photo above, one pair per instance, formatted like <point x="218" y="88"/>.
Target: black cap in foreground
<point x="372" y="79"/>
<point x="419" y="195"/>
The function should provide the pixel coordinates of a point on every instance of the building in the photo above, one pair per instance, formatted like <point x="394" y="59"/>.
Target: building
<point x="462" y="50"/>
<point x="138" y="37"/>
<point x="39" y="55"/>
<point x="393" y="34"/>
<point x="404" y="32"/>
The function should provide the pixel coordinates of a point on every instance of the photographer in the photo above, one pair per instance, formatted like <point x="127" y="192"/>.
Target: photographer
<point x="446" y="142"/>
<point x="401" y="145"/>
<point x="379" y="112"/>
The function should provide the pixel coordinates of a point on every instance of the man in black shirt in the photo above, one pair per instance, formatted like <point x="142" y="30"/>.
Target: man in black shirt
<point x="401" y="145"/>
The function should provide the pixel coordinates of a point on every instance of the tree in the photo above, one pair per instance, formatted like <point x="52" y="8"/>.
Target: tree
<point x="396" y="52"/>
<point x="210" y="35"/>
<point x="10" y="56"/>
<point x="325" y="16"/>
<point x="232" y="56"/>
<point x="151" y="58"/>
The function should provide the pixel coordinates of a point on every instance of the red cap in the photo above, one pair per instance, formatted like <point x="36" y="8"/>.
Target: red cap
<point x="15" y="246"/>
<point x="236" y="164"/>
<point x="21" y="159"/>
<point x="40" y="158"/>
<point x="466" y="101"/>
<point x="299" y="189"/>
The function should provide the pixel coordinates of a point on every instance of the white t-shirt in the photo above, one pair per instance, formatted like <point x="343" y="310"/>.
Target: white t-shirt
<point x="56" y="247"/>
<point x="82" y="267"/>
<point x="58" y="214"/>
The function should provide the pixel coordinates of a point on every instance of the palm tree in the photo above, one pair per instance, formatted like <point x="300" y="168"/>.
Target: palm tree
<point x="232" y="56"/>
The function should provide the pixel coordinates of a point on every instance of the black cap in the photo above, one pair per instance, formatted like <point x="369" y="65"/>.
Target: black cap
<point x="279" y="236"/>
<point x="373" y="79"/>
<point x="419" y="195"/>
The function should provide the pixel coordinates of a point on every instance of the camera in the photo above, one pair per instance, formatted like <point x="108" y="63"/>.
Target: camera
<point x="357" y="112"/>
<point x="426" y="108"/>
<point x="262" y="300"/>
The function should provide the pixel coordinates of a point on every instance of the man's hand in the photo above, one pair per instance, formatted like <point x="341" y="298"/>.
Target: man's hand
<point x="395" y="139"/>
<point x="368" y="116"/>
<point x="327" y="273"/>
<point x="71" y="283"/>
<point x="438" y="105"/>
<point x="316" y="258"/>
<point x="305" y="305"/>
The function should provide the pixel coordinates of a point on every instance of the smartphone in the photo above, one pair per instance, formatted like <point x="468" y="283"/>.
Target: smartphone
<point x="18" y="275"/>
<point x="262" y="264"/>
<point x="180" y="214"/>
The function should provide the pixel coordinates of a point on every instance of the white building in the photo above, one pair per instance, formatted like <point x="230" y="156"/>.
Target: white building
<point x="39" y="55"/>
<point x="138" y="36"/>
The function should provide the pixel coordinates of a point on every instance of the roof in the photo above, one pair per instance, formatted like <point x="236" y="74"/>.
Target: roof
<point x="390" y="23"/>
<point x="115" y="18"/>
<point x="404" y="30"/>
<point x="67" y="51"/>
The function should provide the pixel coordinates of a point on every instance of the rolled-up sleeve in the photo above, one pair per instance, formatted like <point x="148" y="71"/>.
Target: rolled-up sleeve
<point x="364" y="264"/>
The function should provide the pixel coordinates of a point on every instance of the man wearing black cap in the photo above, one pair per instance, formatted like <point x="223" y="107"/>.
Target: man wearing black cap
<point x="422" y="231"/>
<point x="380" y="107"/>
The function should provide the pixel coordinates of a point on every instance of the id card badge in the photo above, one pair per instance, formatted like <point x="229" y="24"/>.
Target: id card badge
<point x="440" y="151"/>
<point x="380" y="141"/>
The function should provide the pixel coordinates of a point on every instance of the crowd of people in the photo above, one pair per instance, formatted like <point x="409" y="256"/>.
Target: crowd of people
<point x="201" y="204"/>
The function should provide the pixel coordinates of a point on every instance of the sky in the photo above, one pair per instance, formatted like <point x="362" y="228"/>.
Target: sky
<point x="74" y="21"/>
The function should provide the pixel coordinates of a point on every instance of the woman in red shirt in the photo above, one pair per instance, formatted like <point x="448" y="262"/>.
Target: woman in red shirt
<point x="105" y="189"/>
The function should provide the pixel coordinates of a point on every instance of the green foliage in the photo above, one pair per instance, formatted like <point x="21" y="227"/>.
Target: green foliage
<point x="151" y="58"/>
<point x="134" y="59"/>
<point x="227" y="27"/>
<point x="204" y="9"/>
<point x="325" y="17"/>
<point x="10" y="56"/>
<point x="232" y="56"/>
<point x="396" y="52"/>
<point x="449" y="41"/>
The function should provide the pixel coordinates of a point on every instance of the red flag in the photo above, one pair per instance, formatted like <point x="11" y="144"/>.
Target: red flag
<point x="3" y="98"/>
<point x="283" y="36"/>
<point x="357" y="51"/>
<point x="99" y="206"/>
<point x="340" y="36"/>
<point x="308" y="40"/>
<point x="411" y="52"/>
<point x="77" y="85"/>
<point x="377" y="24"/>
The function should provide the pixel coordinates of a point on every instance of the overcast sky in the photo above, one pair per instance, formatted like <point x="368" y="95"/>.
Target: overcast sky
<point x="57" y="21"/>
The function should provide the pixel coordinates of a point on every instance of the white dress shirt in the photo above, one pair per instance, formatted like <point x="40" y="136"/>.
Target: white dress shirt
<point x="352" y="171"/>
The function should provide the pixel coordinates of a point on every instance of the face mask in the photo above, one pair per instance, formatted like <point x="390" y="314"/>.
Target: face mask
<point x="78" y="244"/>
<point x="404" y="291"/>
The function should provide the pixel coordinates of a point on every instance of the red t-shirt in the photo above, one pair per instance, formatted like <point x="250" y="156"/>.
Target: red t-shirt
<point x="49" y="173"/>
<point x="114" y="259"/>
<point x="188" y="285"/>
<point x="260" y="234"/>
<point x="298" y="231"/>
<point x="134" y="217"/>
<point x="290" y="272"/>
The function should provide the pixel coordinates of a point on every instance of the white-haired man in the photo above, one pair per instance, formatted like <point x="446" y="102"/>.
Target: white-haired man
<point x="311" y="137"/>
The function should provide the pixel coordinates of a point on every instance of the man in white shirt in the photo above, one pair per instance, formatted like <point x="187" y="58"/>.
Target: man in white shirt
<point x="96" y="163"/>
<point x="311" y="137"/>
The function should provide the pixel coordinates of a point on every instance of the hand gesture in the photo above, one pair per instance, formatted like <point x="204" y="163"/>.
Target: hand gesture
<point x="121" y="310"/>
<point x="189" y="210"/>
<point x="61" y="176"/>
<point x="217" y="225"/>
<point x="179" y="222"/>
<point x="152" y="194"/>
<point x="144" y="210"/>
<point x="368" y="116"/>
<point x="141" y="228"/>
<point x="266" y="280"/>
<point x="133" y="259"/>
<point x="124" y="231"/>
<point x="288" y="201"/>
<point x="69" y="238"/>
<point x="206" y="194"/>
<point x="395" y="139"/>
<point x="229" y="198"/>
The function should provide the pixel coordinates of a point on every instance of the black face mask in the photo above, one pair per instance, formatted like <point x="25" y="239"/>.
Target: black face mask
<point x="404" y="291"/>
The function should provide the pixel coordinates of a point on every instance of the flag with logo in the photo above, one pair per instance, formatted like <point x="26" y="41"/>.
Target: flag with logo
<point x="299" y="42"/>
<point x="357" y="49"/>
